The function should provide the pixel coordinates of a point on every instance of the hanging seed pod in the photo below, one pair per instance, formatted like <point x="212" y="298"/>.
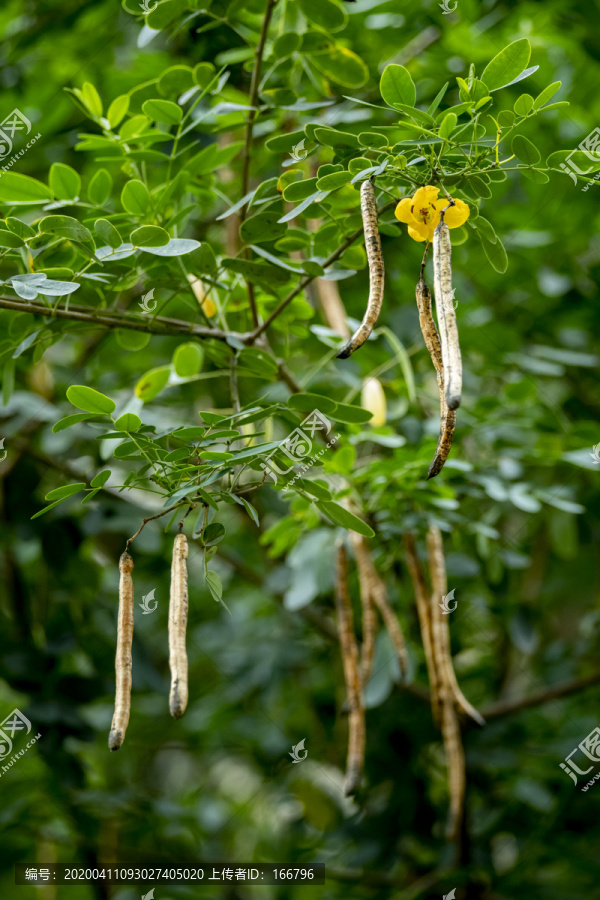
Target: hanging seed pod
<point x="432" y="342"/>
<point x="349" y="649"/>
<point x="440" y="625"/>
<point x="368" y="205"/>
<point x="123" y="663"/>
<point x="178" y="615"/>
<point x="424" y="614"/>
<point x="373" y="588"/>
<point x="442" y="273"/>
<point x="455" y="761"/>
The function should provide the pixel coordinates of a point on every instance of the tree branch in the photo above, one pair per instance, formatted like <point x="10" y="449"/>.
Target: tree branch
<point x="116" y="319"/>
<point x="554" y="692"/>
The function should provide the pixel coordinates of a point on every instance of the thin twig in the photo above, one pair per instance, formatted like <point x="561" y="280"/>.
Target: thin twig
<point x="150" y="519"/>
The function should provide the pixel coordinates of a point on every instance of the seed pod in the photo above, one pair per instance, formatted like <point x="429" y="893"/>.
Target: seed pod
<point x="440" y="625"/>
<point x="123" y="663"/>
<point x="424" y="613"/>
<point x="368" y="205"/>
<point x="442" y="273"/>
<point x="455" y="761"/>
<point x="349" y="649"/>
<point x="432" y="342"/>
<point x="373" y="588"/>
<point x="178" y="615"/>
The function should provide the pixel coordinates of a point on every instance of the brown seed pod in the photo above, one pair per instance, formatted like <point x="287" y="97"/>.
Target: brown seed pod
<point x="455" y="761"/>
<point x="178" y="615"/>
<point x="448" y="329"/>
<point x="424" y="613"/>
<point x="432" y="342"/>
<point x="373" y="588"/>
<point x="368" y="205"/>
<point x="120" y="718"/>
<point x="440" y="625"/>
<point x="349" y="649"/>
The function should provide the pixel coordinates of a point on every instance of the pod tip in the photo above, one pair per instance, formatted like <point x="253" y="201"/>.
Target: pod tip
<point x="345" y="352"/>
<point x="453" y="401"/>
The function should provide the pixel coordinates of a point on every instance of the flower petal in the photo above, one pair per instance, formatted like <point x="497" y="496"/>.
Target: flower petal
<point x="402" y="211"/>
<point x="457" y="215"/>
<point x="419" y="232"/>
<point x="424" y="196"/>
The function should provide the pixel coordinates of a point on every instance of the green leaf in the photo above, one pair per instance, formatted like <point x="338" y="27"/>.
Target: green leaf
<point x="284" y="143"/>
<point x="397" y="86"/>
<point x="65" y="183"/>
<point x="327" y="14"/>
<point x="507" y="65"/>
<point x="496" y="255"/>
<point x="175" y="247"/>
<point x="346" y="413"/>
<point x="262" y="227"/>
<point x="339" y="515"/>
<point x="534" y="175"/>
<point x="8" y="239"/>
<point x="163" y="111"/>
<point x="100" y="187"/>
<point x="70" y="420"/>
<point x="152" y="383"/>
<point x="91" y="99"/>
<point x="67" y="490"/>
<point x="117" y="110"/>
<point x="175" y="80"/>
<point x="131" y="340"/>
<point x="149" y="236"/>
<point x="215" y="585"/>
<point x="309" y="402"/>
<point x="523" y="105"/>
<point x="163" y="13"/>
<point x="342" y="66"/>
<point x="546" y="94"/>
<point x="108" y="233"/>
<point x="90" y="400"/>
<point x="485" y="228"/>
<point x="212" y="534"/>
<point x="286" y="44"/>
<point x="299" y="190"/>
<point x="249" y="509"/>
<point x="21" y="229"/>
<point x="333" y="181"/>
<point x="128" y="422"/>
<point x="135" y="198"/>
<point x="448" y="125"/>
<point x="100" y="479"/>
<point x="525" y="150"/>
<point x="17" y="189"/>
<point x="203" y="74"/>
<point x="67" y="227"/>
<point x="188" y="359"/>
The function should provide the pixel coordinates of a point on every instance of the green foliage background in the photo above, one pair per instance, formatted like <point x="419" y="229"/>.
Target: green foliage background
<point x="517" y="502"/>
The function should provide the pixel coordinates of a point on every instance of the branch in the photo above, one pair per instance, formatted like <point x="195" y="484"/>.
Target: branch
<point x="116" y="319"/>
<point x="307" y="280"/>
<point x="254" y="85"/>
<point x="554" y="692"/>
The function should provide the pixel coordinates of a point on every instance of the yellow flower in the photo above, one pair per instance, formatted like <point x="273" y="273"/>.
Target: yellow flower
<point x="422" y="213"/>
